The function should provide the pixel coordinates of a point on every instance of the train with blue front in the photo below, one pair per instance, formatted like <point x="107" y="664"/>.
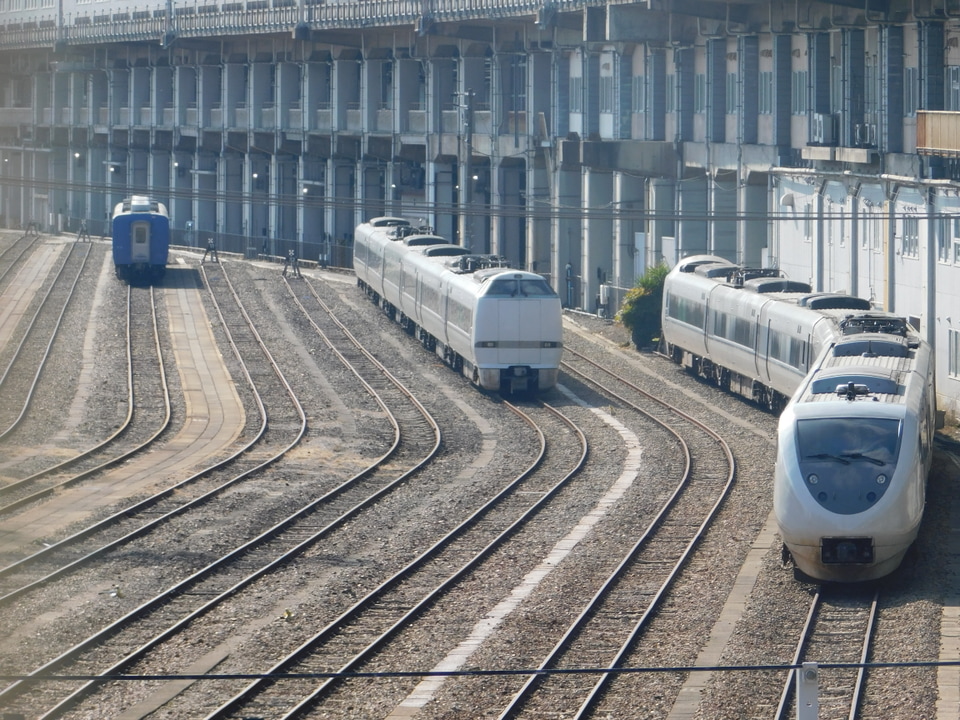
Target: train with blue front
<point x="141" y="239"/>
<point x="855" y="391"/>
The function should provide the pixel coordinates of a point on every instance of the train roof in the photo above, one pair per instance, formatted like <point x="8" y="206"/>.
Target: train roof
<point x="871" y="345"/>
<point x="421" y="240"/>
<point x="835" y="301"/>
<point x="139" y="204"/>
<point x="713" y="269"/>
<point x="766" y="285"/>
<point x="480" y="265"/>
<point x="691" y="263"/>
<point x="389" y="221"/>
<point x="447" y="250"/>
<point x="867" y="365"/>
<point x="840" y="382"/>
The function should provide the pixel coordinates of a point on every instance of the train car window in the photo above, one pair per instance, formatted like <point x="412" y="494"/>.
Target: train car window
<point x="720" y="324"/>
<point x="536" y="288"/>
<point x="140" y="234"/>
<point x="460" y="315"/>
<point x="798" y="353"/>
<point x="686" y="311"/>
<point x="391" y="270"/>
<point x="776" y="345"/>
<point x="430" y="298"/>
<point x="848" y="441"/>
<point x="502" y="287"/>
<point x="743" y="332"/>
<point x="409" y="283"/>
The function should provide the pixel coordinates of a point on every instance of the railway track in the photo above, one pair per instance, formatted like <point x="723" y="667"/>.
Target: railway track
<point x="839" y="630"/>
<point x="609" y="624"/>
<point x="353" y="641"/>
<point x="161" y="618"/>
<point x="13" y="253"/>
<point x="113" y="640"/>
<point x="147" y="389"/>
<point x="23" y="369"/>
<point x="353" y="645"/>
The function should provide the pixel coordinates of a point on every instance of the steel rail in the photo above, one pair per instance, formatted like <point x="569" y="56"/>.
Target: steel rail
<point x="261" y="542"/>
<point x="122" y="428"/>
<point x="807" y="632"/>
<point x="429" y="596"/>
<point x="523" y="695"/>
<point x="181" y="587"/>
<point x="30" y="241"/>
<point x="141" y="506"/>
<point x="53" y="336"/>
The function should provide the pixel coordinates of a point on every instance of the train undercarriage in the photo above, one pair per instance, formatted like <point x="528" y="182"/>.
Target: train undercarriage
<point x="729" y="381"/>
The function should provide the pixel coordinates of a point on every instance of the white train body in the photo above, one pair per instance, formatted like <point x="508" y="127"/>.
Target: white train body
<point x="501" y="327"/>
<point x="757" y="336"/>
<point x="855" y="446"/>
<point x="851" y="468"/>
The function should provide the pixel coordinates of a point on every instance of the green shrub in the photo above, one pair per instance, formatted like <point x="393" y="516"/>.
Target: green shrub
<point x="640" y="312"/>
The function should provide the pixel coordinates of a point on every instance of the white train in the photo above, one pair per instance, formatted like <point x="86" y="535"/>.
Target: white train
<point x="855" y="441"/>
<point x="854" y="449"/>
<point x="752" y="332"/>
<point x="501" y="327"/>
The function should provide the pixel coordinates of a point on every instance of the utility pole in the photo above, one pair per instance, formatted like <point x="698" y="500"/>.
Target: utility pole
<point x="466" y="204"/>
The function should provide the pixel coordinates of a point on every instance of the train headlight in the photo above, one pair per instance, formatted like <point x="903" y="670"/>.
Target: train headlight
<point x="881" y="479"/>
<point x="813" y="478"/>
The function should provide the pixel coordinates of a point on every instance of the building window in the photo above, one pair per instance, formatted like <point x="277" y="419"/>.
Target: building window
<point x="836" y="89"/>
<point x="911" y="91"/>
<point x="607" y="97"/>
<point x="576" y="94"/>
<point x="911" y="237"/>
<point x="671" y="93"/>
<point x="953" y="87"/>
<point x="798" y="85"/>
<point x="700" y="94"/>
<point x="955" y="240"/>
<point x="639" y="94"/>
<point x="766" y="93"/>
<point x="733" y="102"/>
<point x="872" y="232"/>
<point x="953" y="353"/>
<point x="945" y="239"/>
<point x="808" y="223"/>
<point x="871" y="89"/>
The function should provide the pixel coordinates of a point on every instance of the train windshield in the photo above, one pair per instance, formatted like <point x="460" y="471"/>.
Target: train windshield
<point x="522" y="286"/>
<point x="849" y="441"/>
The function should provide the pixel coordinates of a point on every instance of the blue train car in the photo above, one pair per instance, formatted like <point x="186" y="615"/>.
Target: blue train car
<point x="141" y="239"/>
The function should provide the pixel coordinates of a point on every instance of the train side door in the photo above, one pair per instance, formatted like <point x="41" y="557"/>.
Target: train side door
<point x="140" y="241"/>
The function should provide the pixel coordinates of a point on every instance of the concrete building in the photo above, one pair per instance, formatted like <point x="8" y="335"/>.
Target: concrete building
<point x="586" y="141"/>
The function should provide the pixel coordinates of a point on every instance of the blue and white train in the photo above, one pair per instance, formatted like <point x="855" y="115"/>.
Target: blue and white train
<point x="141" y="239"/>
<point x="501" y="327"/>
<point x="855" y="441"/>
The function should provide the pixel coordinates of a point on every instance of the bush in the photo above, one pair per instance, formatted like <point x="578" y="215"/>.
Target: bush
<point x="640" y="312"/>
